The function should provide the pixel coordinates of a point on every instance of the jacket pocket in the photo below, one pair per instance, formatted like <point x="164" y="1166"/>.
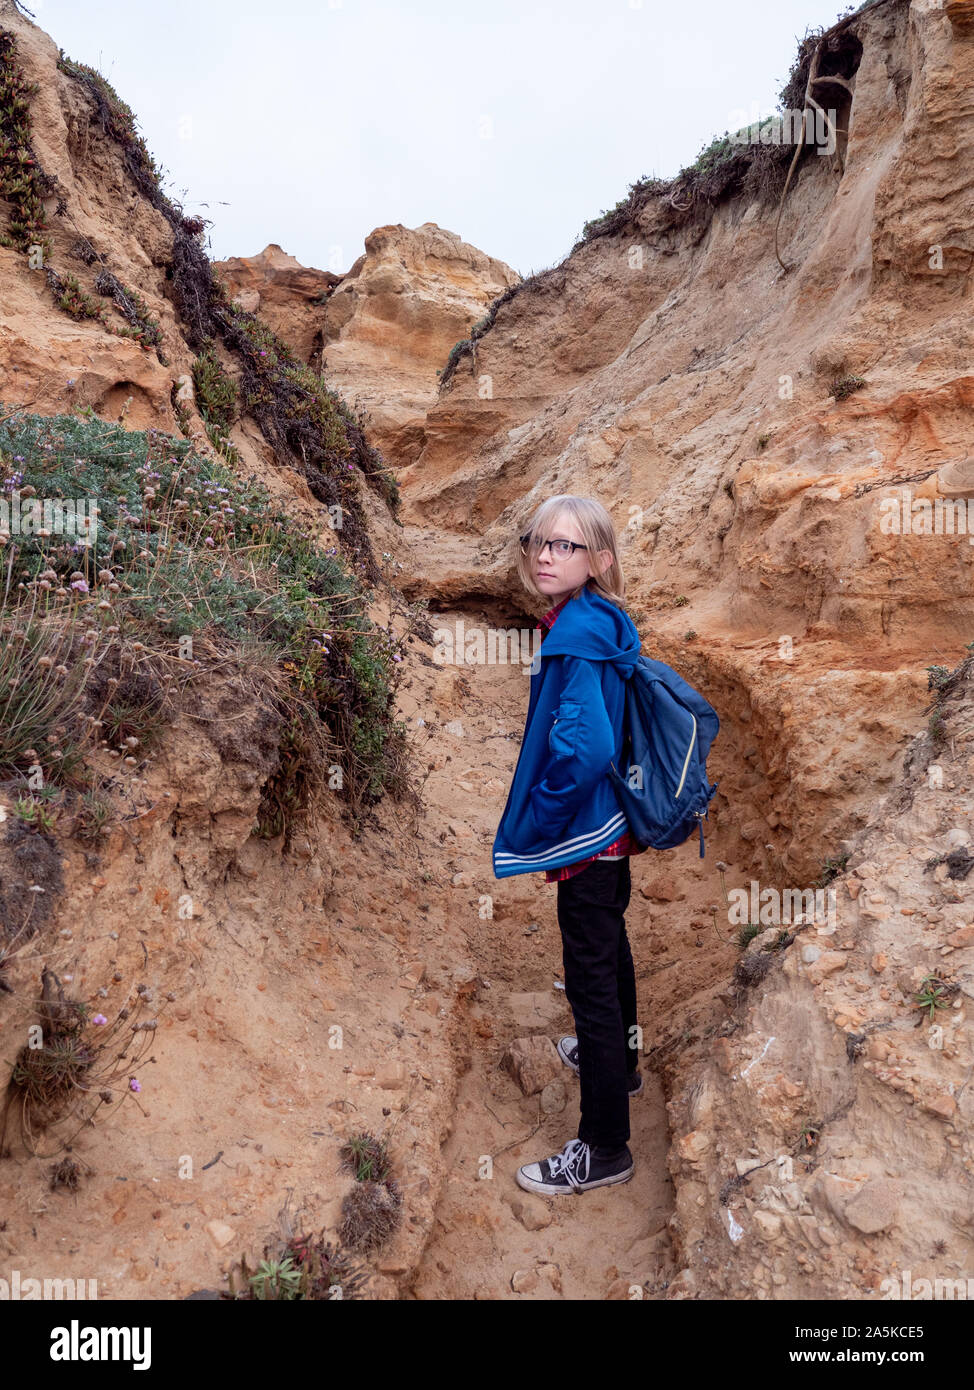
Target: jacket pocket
<point x="563" y="734"/>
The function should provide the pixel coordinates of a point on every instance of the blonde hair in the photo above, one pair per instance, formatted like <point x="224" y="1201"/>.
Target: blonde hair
<point x="596" y="528"/>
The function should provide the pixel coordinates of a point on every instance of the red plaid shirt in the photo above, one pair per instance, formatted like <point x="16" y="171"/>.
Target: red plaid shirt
<point x="625" y="845"/>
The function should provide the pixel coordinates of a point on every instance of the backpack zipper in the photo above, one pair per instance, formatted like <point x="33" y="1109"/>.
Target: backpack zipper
<point x="693" y="739"/>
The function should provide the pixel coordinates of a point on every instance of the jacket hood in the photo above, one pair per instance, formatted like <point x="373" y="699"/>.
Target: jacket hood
<point x="592" y="627"/>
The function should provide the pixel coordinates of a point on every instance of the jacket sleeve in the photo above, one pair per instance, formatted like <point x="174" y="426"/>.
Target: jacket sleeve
<point x="581" y="743"/>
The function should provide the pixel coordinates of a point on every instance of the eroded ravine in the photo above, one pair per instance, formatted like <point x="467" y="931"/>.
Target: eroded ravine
<point x="490" y="1239"/>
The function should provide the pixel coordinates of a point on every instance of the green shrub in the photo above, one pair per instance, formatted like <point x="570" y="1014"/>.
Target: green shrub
<point x="22" y="181"/>
<point x="183" y="549"/>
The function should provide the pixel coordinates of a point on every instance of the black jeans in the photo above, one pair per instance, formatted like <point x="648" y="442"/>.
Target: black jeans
<point x="600" y="985"/>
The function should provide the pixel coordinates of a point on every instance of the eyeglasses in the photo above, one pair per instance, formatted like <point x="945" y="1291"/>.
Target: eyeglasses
<point x="563" y="549"/>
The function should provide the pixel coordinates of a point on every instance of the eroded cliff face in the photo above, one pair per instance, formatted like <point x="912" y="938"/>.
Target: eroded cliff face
<point x="179" y="894"/>
<point x="391" y="323"/>
<point x="288" y="295"/>
<point x="835" y="1104"/>
<point x="101" y="224"/>
<point x="49" y="360"/>
<point x="756" y="433"/>
<point x="678" y="374"/>
<point x="382" y="331"/>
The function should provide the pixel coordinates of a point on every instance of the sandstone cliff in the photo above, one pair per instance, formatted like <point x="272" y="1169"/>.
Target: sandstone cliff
<point x="673" y="369"/>
<point x="753" y="428"/>
<point x="382" y="331"/>
<point x="390" y="324"/>
<point x="289" y="295"/>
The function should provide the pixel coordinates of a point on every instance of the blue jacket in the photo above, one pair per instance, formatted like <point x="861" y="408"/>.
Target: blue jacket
<point x="561" y="806"/>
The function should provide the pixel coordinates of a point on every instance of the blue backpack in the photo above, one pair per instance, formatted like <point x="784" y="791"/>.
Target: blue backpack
<point x="669" y="728"/>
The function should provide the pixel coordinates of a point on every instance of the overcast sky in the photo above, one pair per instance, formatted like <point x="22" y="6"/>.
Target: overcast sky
<point x="311" y="122"/>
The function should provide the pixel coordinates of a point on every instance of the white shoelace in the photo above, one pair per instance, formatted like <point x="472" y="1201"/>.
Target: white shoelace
<point x="574" y="1153"/>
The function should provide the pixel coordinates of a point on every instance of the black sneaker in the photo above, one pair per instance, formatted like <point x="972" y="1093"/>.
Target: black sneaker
<point x="568" y="1052"/>
<point x="576" y="1169"/>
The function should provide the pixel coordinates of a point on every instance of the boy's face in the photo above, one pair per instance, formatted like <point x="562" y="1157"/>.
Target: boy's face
<point x="557" y="576"/>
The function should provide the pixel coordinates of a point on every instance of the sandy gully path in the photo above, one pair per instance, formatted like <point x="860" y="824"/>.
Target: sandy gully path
<point x="490" y="1239"/>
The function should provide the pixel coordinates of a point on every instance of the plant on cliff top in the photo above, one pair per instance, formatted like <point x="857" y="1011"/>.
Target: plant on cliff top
<point x="22" y="182"/>
<point x="71" y="298"/>
<point x="142" y="326"/>
<point x="33" y="813"/>
<point x="831" y="868"/>
<point x="297" y="413"/>
<point x="933" y="994"/>
<point x="372" y="1211"/>
<point x="116" y="118"/>
<point x="276" y="1280"/>
<point x="366" y="1156"/>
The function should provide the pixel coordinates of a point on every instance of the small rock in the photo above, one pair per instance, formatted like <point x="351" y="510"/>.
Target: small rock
<point x="619" y="1290"/>
<point x="662" y="889"/>
<point x="874" y="1208"/>
<point x="412" y="975"/>
<point x="943" y="1106"/>
<point x="391" y="1077"/>
<point x="683" y="1285"/>
<point x="793" y="1195"/>
<point x="220" y="1233"/>
<point x="724" y="1055"/>
<point x="532" y="1212"/>
<point x="838" y="1191"/>
<point x="767" y="1224"/>
<point x="536" y="1010"/>
<point x="693" y="1146"/>
<point x="532" y="1062"/>
<point x="810" y="1229"/>
<point x="827" y="964"/>
<point x="554" y="1098"/>
<point x="524" y="1280"/>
